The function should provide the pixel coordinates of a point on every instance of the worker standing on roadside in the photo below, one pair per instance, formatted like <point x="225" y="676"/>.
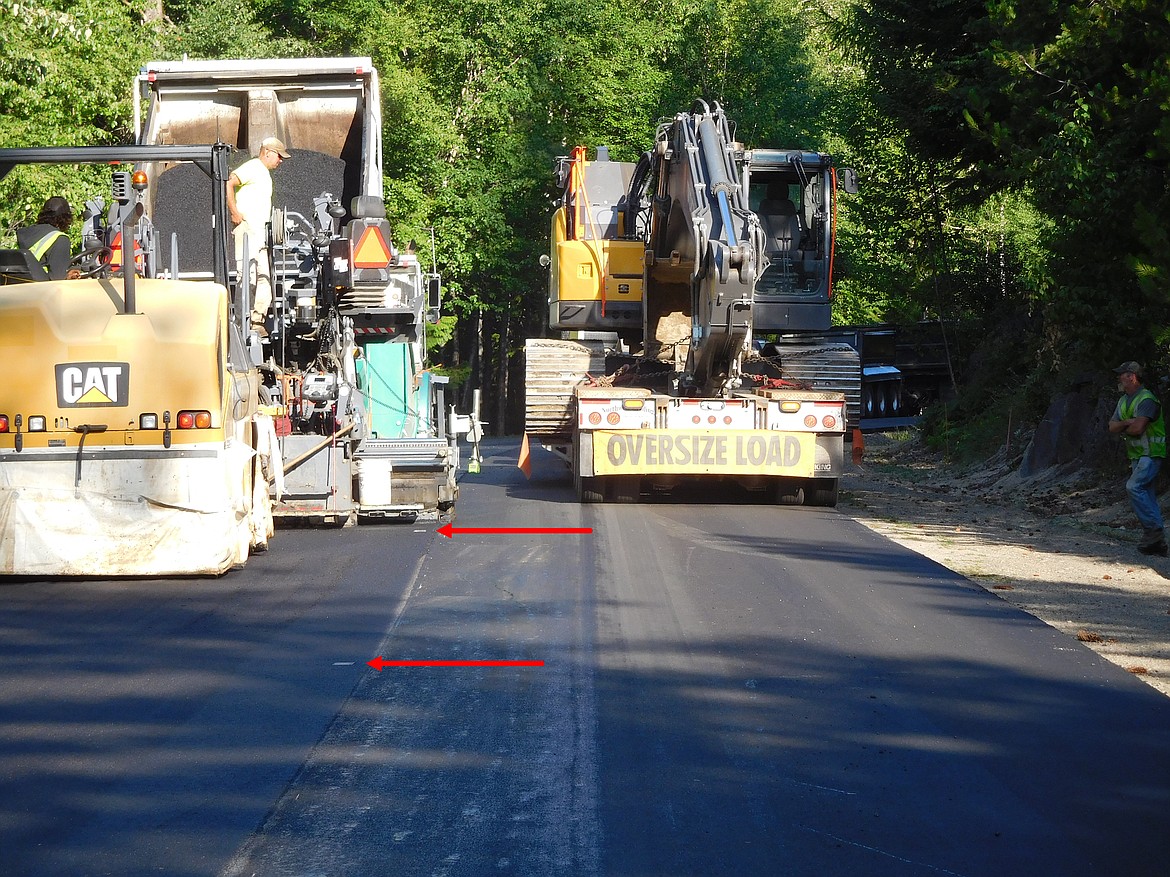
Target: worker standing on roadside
<point x="1140" y="421"/>
<point x="249" y="201"/>
<point x="47" y="240"/>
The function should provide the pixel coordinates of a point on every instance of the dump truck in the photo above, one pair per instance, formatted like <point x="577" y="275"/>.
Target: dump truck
<point x="132" y="437"/>
<point x="362" y="419"/>
<point x="663" y="269"/>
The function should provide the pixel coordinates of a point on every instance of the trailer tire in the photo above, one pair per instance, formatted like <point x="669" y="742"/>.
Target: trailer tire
<point x="786" y="491"/>
<point x="589" y="489"/>
<point x="821" y="492"/>
<point x="624" y="488"/>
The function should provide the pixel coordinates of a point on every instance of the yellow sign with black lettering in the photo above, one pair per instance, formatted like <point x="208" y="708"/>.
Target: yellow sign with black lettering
<point x="703" y="452"/>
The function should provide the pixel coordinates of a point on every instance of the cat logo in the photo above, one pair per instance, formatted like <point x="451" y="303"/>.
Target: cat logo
<point x="93" y="384"/>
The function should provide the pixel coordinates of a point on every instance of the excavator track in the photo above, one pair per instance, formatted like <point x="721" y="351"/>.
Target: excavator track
<point x="823" y="365"/>
<point x="552" y="368"/>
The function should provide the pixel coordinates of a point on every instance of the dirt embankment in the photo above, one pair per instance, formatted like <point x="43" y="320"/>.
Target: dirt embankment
<point x="1062" y="547"/>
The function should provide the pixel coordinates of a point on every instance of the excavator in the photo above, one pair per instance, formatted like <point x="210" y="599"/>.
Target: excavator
<point x="667" y="270"/>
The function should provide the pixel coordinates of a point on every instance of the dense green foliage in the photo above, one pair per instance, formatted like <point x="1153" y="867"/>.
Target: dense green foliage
<point x="1013" y="155"/>
<point x="1046" y="124"/>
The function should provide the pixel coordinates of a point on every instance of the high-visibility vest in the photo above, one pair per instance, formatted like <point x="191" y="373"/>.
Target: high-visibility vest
<point x="1151" y="443"/>
<point x="42" y="246"/>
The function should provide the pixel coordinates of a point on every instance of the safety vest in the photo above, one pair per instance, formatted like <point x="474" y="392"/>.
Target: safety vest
<point x="1151" y="443"/>
<point x="42" y="246"/>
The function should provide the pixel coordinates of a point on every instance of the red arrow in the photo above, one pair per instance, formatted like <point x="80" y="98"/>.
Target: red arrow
<point x="449" y="531"/>
<point x="379" y="662"/>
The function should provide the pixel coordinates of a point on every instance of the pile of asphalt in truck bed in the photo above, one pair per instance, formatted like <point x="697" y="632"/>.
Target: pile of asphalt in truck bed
<point x="183" y="202"/>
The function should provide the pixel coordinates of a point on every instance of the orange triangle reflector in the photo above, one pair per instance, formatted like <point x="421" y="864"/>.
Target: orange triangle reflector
<point x="116" y="251"/>
<point x="371" y="251"/>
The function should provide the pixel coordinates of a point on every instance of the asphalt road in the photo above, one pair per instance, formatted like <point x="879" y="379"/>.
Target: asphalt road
<point x="728" y="688"/>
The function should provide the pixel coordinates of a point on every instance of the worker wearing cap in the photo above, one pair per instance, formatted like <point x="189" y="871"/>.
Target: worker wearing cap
<point x="47" y="240"/>
<point x="249" y="200"/>
<point x="1139" y="420"/>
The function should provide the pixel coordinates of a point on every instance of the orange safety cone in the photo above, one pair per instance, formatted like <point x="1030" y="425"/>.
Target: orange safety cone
<point x="858" y="446"/>
<point x="525" y="462"/>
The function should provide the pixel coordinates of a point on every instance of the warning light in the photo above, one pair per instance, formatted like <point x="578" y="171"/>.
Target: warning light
<point x="194" y="419"/>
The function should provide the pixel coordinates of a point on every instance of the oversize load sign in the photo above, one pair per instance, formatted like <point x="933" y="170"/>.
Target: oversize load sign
<point x="93" y="384"/>
<point x="724" y="452"/>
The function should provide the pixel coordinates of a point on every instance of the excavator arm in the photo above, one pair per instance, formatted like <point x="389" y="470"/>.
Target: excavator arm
<point x="704" y="252"/>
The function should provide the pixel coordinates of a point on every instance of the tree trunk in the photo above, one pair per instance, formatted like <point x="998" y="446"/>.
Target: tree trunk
<point x="502" y="378"/>
<point x="474" y="360"/>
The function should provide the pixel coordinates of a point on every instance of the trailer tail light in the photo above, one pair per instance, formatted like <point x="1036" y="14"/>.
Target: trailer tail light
<point x="829" y="421"/>
<point x="595" y="417"/>
<point x="613" y="418"/>
<point x="37" y="423"/>
<point x="194" y="420"/>
<point x="810" y="420"/>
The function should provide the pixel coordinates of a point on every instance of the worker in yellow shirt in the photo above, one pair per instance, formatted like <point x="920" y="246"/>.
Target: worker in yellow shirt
<point x="249" y="201"/>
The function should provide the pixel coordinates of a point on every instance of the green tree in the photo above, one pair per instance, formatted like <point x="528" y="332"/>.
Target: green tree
<point x="229" y="29"/>
<point x="66" y="68"/>
<point x="1065" y="104"/>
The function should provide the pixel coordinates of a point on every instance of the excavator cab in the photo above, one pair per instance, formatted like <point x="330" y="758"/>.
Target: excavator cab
<point x="596" y="261"/>
<point x="792" y="194"/>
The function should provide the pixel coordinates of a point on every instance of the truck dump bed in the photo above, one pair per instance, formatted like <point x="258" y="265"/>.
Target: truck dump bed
<point x="318" y="106"/>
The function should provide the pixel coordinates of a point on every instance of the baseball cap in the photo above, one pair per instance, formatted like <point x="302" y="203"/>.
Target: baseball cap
<point x="1130" y="366"/>
<point x="276" y="145"/>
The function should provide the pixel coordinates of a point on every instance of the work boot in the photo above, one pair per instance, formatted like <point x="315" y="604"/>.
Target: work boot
<point x="1153" y="542"/>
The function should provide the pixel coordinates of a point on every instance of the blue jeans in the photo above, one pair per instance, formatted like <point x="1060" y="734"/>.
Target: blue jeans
<point x="1142" y="496"/>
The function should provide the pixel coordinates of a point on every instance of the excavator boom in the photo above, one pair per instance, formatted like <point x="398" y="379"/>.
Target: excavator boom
<point x="705" y="248"/>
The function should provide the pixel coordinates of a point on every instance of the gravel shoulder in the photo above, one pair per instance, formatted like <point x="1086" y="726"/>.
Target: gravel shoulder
<point x="1062" y="547"/>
